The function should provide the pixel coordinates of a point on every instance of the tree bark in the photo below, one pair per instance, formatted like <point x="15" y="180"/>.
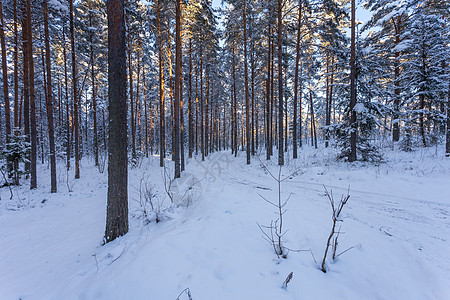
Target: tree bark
<point x="117" y="206"/>
<point x="190" y="118"/>
<point x="68" y="145"/>
<point x="5" y="76"/>
<point x="202" y="140"/>
<point x="16" y="69"/>
<point x="33" y="129"/>
<point x="130" y="74"/>
<point x="177" y="87"/>
<point x="396" y="125"/>
<point x="94" y="95"/>
<point x="353" y="125"/>
<point x="297" y="61"/>
<point x="49" y="102"/>
<point x="280" y="86"/>
<point x="162" y="140"/>
<point x="247" y="106"/>
<point x="268" y="87"/>
<point x="75" y="92"/>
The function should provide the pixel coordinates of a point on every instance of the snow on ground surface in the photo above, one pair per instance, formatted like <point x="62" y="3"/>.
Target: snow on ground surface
<point x="397" y="221"/>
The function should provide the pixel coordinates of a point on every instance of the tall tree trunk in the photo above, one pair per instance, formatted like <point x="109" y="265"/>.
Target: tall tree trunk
<point x="94" y="95"/>
<point x="421" y="119"/>
<point x="280" y="86"/>
<point x="182" y="133"/>
<point x="253" y="98"/>
<point x="177" y="87"/>
<point x="447" y="135"/>
<point x="130" y="74"/>
<point x="353" y="123"/>
<point x="5" y="75"/>
<point x="234" y="117"/>
<point x="330" y="96"/>
<point x="196" y="110"/>
<point x="313" y="121"/>
<point x="68" y="145"/>
<point x="169" y="57"/>
<point x="33" y="129"/>
<point x="247" y="106"/>
<point x="75" y="92"/>
<point x="26" y="77"/>
<point x="202" y="126"/>
<point x="327" y="99"/>
<point x="268" y="88"/>
<point x="206" y="122"/>
<point x="162" y="134"/>
<point x="117" y="206"/>
<point x="16" y="69"/>
<point x="273" y="127"/>
<point x="297" y="61"/>
<point x="422" y="100"/>
<point x="396" y="125"/>
<point x="190" y="118"/>
<point x="146" y="113"/>
<point x="49" y="102"/>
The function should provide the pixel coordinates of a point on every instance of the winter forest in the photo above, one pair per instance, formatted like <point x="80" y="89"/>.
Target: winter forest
<point x="235" y="149"/>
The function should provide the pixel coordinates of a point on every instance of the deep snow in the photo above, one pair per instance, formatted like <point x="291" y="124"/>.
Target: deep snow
<point x="397" y="221"/>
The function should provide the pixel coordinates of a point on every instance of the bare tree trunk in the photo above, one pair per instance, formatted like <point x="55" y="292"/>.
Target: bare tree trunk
<point x="94" y="95"/>
<point x="176" y="149"/>
<point x="234" y="117"/>
<point x="33" y="129"/>
<point x="313" y="122"/>
<point x="202" y="140"/>
<point x="49" y="102"/>
<point x="353" y="124"/>
<point x="162" y="134"/>
<point x="68" y="146"/>
<point x="16" y="69"/>
<point x="447" y="135"/>
<point x="117" y="206"/>
<point x="5" y="76"/>
<point x="421" y="119"/>
<point x="253" y="97"/>
<point x="297" y="61"/>
<point x="196" y="110"/>
<point x="206" y="122"/>
<point x="75" y="93"/>
<point x="396" y="125"/>
<point x="247" y="106"/>
<point x="330" y="96"/>
<point x="145" y="112"/>
<point x="268" y="88"/>
<point x="327" y="98"/>
<point x="190" y="118"/>
<point x="26" y="77"/>
<point x="130" y="74"/>
<point x="280" y="86"/>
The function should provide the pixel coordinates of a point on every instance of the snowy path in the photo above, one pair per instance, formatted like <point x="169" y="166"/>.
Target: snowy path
<point x="400" y="227"/>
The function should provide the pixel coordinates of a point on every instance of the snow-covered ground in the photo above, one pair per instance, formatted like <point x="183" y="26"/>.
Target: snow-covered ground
<point x="397" y="221"/>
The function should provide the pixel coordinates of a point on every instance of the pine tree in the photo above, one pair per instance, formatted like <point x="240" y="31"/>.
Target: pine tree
<point x="117" y="206"/>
